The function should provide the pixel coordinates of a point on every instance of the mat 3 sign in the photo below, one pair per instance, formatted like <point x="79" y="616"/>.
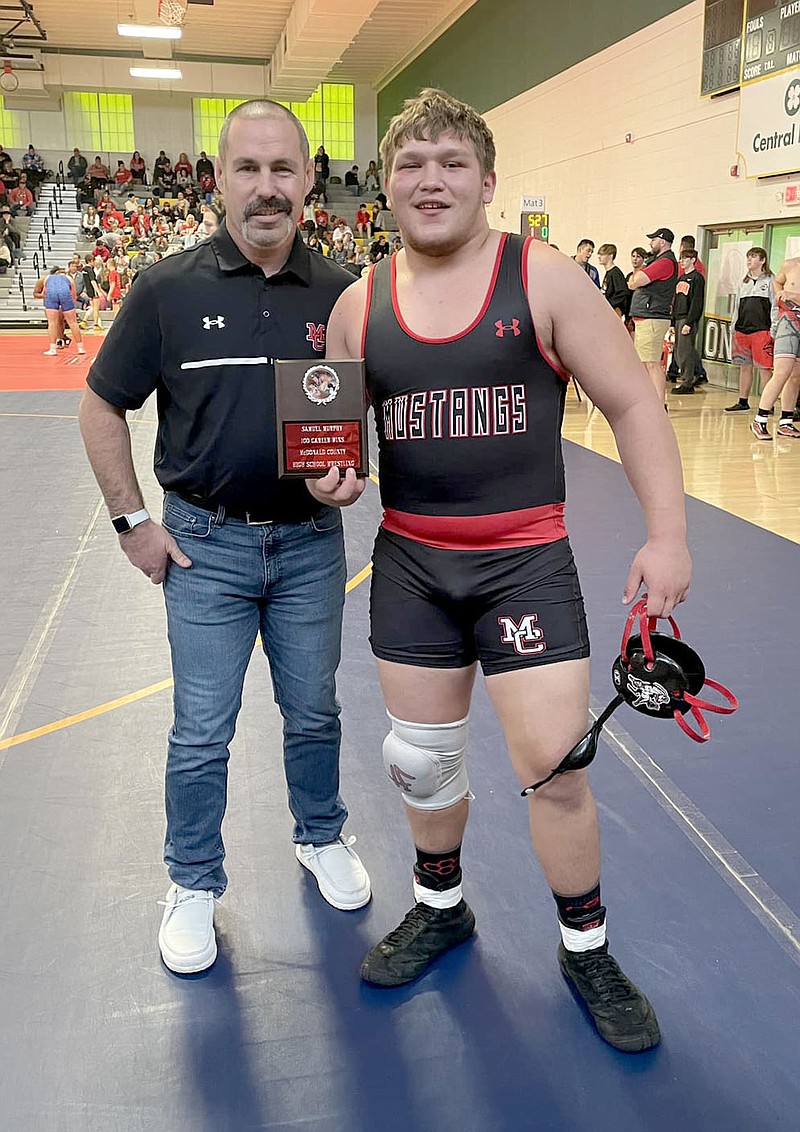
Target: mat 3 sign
<point x="769" y="125"/>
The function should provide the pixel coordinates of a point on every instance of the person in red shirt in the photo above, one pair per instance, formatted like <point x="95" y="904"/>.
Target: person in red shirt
<point x="364" y="222"/>
<point x="183" y="166"/>
<point x="123" y="176"/>
<point x="112" y="214"/>
<point x="207" y="186"/>
<point x="21" y="197"/>
<point x="321" y="219"/>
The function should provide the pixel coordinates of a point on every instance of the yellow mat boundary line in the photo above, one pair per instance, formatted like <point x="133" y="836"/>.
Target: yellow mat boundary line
<point x="131" y="697"/>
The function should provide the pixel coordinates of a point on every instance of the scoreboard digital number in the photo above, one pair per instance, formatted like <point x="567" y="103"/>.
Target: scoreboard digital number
<point x="771" y="38"/>
<point x="536" y="224"/>
<point x="722" y="45"/>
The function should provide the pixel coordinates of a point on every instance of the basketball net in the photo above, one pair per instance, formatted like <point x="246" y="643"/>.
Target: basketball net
<point x="172" y="12"/>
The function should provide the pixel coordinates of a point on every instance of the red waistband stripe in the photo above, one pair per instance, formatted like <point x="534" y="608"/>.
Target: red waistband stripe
<point x="531" y="526"/>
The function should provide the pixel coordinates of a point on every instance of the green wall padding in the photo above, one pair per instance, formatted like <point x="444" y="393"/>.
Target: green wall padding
<point x="500" y="48"/>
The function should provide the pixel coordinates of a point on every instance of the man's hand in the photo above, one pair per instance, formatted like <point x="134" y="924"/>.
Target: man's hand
<point x="152" y="549"/>
<point x="337" y="489"/>
<point x="665" y="570"/>
<point x="686" y="329"/>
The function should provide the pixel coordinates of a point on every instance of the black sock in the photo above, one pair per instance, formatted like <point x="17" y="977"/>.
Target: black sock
<point x="744" y="401"/>
<point x="787" y="416"/>
<point x="581" y="912"/>
<point x="438" y="871"/>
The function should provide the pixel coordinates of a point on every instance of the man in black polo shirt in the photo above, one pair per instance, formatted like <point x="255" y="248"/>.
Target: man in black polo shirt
<point x="239" y="552"/>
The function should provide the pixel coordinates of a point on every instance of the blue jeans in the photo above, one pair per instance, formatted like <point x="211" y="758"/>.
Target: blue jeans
<point x="286" y="581"/>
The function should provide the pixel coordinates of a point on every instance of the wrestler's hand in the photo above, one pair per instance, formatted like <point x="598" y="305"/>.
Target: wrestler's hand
<point x="337" y="489"/>
<point x="665" y="570"/>
<point x="152" y="549"/>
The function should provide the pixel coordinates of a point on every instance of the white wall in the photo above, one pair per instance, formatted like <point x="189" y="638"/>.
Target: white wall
<point x="565" y="139"/>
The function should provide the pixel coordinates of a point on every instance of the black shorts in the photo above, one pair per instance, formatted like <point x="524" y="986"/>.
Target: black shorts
<point x="509" y="609"/>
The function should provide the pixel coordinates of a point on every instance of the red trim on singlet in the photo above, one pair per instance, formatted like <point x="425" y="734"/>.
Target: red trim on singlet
<point x="370" y="276"/>
<point x="529" y="527"/>
<point x="462" y="333"/>
<point x="562" y="373"/>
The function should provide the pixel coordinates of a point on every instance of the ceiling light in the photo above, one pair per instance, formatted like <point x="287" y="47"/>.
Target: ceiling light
<point x="148" y="31"/>
<point x="155" y="73"/>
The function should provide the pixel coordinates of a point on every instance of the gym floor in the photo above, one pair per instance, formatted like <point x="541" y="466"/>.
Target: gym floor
<point x="700" y="842"/>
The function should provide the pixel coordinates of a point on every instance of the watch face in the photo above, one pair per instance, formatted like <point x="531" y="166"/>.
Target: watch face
<point x="121" y="524"/>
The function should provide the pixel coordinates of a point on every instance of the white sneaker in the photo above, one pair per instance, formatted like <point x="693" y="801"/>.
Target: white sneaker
<point x="51" y="353"/>
<point x="341" y="877"/>
<point x="186" y="937"/>
<point x="81" y="350"/>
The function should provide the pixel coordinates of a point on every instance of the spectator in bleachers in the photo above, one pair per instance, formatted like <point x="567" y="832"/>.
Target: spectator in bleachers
<point x="189" y="236"/>
<point x="76" y="167"/>
<point x="379" y="218"/>
<point x="98" y="174"/>
<point x="183" y="166"/>
<point x="4" y="155"/>
<point x="308" y="223"/>
<point x="158" y="165"/>
<point x="371" y="179"/>
<point x="112" y="220"/>
<point x="397" y="245"/>
<point x="131" y="204"/>
<point x="321" y="219"/>
<point x="9" y="175"/>
<point x="6" y="257"/>
<point x="33" y="164"/>
<point x="351" y="181"/>
<point x="123" y="175"/>
<point x="21" y="198"/>
<point x="167" y="178"/>
<point x="207" y="186"/>
<point x="364" y="222"/>
<point x="180" y="209"/>
<point x="204" y="165"/>
<point x="322" y="168"/>
<point x="90" y="222"/>
<point x="104" y="203"/>
<point x="138" y="168"/>
<point x="314" y="244"/>
<point x="209" y="223"/>
<point x="11" y="233"/>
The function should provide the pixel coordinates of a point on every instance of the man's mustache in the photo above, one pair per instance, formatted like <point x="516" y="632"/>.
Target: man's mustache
<point x="267" y="205"/>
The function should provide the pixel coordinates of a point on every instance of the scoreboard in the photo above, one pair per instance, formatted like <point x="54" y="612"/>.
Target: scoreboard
<point x="722" y="45"/>
<point x="536" y="224"/>
<point x="771" y="38"/>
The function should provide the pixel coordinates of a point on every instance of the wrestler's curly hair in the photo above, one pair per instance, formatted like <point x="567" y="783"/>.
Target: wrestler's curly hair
<point x="433" y="113"/>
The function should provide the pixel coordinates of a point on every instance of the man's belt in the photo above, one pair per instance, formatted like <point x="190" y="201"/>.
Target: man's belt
<point x="255" y="518"/>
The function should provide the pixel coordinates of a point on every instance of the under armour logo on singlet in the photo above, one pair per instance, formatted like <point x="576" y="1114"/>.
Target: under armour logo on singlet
<point x="512" y="327"/>
<point x="208" y="322"/>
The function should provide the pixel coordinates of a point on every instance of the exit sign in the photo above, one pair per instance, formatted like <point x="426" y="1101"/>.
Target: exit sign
<point x="791" y="194"/>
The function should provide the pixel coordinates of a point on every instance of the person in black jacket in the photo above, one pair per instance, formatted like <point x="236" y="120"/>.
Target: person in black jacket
<point x="614" y="286"/>
<point x="687" y="310"/>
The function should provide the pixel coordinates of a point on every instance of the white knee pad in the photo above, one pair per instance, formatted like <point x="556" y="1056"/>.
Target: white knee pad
<point x="426" y="762"/>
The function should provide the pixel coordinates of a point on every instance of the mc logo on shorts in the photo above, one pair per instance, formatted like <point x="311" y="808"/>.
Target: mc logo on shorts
<point x="525" y="636"/>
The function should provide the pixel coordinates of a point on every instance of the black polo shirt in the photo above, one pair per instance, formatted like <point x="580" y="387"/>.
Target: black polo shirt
<point x="203" y="329"/>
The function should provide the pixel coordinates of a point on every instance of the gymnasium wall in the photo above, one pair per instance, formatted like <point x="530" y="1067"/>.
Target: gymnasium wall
<point x="496" y="51"/>
<point x="565" y="139"/>
<point x="163" y="118"/>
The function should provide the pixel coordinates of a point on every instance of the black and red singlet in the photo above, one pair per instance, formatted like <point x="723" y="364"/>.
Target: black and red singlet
<point x="469" y="426"/>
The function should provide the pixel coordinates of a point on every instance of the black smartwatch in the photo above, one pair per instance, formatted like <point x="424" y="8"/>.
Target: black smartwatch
<point x="124" y="523"/>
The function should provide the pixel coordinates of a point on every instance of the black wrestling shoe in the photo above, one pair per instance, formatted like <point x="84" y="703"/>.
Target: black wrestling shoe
<point x="424" y="934"/>
<point x="680" y="389"/>
<point x="622" y="1014"/>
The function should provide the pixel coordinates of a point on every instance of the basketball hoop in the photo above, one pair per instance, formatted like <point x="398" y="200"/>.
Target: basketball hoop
<point x="172" y="12"/>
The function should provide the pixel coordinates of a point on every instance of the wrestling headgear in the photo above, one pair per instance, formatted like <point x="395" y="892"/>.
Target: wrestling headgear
<point x="657" y="675"/>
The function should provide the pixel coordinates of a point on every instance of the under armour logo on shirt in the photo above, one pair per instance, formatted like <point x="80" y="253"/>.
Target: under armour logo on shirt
<point x="208" y="322"/>
<point x="512" y="327"/>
